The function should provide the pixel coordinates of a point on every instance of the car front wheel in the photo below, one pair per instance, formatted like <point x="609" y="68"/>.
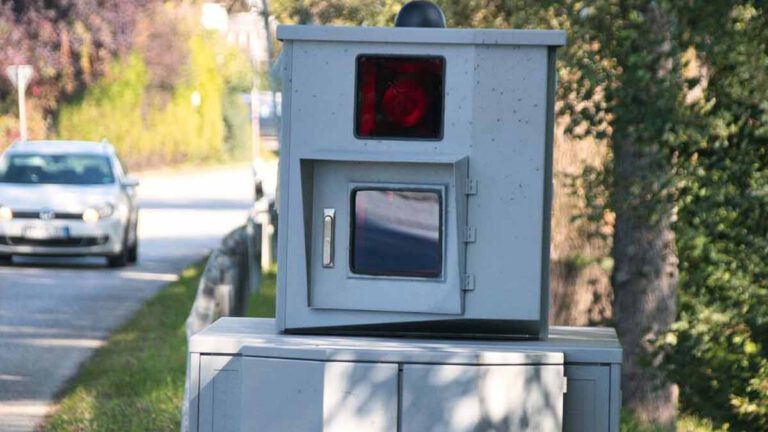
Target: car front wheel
<point x="120" y="259"/>
<point x="133" y="249"/>
<point x="6" y="260"/>
<point x="133" y="252"/>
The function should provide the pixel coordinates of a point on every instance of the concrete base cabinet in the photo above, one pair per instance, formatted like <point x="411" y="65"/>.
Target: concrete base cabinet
<point x="245" y="376"/>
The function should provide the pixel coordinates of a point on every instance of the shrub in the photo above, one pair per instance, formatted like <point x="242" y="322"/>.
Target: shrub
<point x="149" y="128"/>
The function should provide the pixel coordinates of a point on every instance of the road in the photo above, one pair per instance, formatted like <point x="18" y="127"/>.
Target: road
<point x="55" y="311"/>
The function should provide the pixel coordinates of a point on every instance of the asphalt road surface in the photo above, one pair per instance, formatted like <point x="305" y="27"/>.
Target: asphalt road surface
<point x="55" y="311"/>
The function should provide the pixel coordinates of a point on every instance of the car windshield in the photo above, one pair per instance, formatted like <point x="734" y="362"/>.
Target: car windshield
<point x="79" y="169"/>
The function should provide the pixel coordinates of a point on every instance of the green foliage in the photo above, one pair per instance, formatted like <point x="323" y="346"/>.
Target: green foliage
<point x="720" y="343"/>
<point x="150" y="128"/>
<point x="685" y="423"/>
<point x="111" y="108"/>
<point x="356" y="12"/>
<point x="174" y="98"/>
<point x="69" y="43"/>
<point x="237" y="125"/>
<point x="237" y="73"/>
<point x="236" y="70"/>
<point x="630" y="424"/>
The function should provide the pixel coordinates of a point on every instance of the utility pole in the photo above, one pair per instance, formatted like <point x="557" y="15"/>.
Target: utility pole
<point x="20" y="75"/>
<point x="261" y="9"/>
<point x="256" y="113"/>
<point x="270" y="52"/>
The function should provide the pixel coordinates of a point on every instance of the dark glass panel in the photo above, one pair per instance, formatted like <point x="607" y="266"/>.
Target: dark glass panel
<point x="397" y="232"/>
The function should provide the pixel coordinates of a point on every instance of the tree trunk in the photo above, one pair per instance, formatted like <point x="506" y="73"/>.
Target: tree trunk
<point x="645" y="285"/>
<point x="645" y="260"/>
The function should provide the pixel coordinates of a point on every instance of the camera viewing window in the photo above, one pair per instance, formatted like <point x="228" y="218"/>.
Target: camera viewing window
<point x="399" y="97"/>
<point x="397" y="232"/>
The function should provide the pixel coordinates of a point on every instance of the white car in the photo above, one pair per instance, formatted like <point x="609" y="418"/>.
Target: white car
<point x="67" y="198"/>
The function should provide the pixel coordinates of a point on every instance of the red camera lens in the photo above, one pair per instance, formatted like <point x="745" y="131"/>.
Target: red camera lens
<point x="399" y="97"/>
<point x="405" y="102"/>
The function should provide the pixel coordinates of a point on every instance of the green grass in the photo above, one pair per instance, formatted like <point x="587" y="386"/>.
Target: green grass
<point x="262" y="303"/>
<point x="136" y="381"/>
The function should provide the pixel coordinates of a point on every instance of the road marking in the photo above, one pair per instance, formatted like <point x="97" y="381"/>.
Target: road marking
<point x="22" y="415"/>
<point x="4" y="377"/>
<point x="23" y="408"/>
<point x="162" y="277"/>
<point x="57" y="342"/>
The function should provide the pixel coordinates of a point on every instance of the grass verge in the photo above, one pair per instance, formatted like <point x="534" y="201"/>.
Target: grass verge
<point x="136" y="381"/>
<point x="262" y="302"/>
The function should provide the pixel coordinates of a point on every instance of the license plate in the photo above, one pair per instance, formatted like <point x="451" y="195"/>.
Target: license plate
<point x="45" y="232"/>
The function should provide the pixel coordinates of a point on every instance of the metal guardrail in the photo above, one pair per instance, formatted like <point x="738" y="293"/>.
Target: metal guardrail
<point x="232" y="273"/>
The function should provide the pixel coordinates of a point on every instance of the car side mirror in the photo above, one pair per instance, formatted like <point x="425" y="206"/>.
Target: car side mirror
<point x="130" y="182"/>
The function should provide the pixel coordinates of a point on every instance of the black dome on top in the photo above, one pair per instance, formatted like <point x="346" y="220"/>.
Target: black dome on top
<point x="420" y="13"/>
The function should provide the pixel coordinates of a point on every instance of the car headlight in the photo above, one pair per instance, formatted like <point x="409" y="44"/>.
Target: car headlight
<point x="93" y="214"/>
<point x="5" y="213"/>
<point x="106" y="210"/>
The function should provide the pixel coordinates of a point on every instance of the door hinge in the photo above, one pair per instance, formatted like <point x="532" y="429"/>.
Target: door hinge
<point x="468" y="284"/>
<point x="471" y="187"/>
<point x="470" y="234"/>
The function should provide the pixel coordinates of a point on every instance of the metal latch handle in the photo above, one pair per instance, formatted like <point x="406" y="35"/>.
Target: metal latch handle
<point x="329" y="220"/>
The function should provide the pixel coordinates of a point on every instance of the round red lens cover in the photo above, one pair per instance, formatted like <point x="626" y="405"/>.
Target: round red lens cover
<point x="405" y="102"/>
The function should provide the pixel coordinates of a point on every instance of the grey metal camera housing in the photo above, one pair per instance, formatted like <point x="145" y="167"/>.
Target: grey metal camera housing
<point x="482" y="179"/>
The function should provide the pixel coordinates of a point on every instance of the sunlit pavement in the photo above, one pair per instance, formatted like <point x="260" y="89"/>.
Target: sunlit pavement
<point x="55" y="311"/>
